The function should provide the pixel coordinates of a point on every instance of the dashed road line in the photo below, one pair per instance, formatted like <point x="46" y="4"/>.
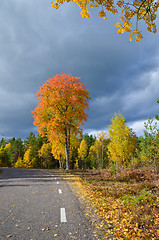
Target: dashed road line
<point x="60" y="191"/>
<point x="63" y="215"/>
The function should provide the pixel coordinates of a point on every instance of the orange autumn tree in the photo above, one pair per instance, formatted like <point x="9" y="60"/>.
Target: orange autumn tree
<point x="61" y="109"/>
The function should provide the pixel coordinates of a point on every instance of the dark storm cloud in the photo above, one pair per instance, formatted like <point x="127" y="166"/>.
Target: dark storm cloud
<point x="37" y="42"/>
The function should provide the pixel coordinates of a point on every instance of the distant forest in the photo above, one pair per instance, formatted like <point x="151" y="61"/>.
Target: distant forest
<point x="117" y="149"/>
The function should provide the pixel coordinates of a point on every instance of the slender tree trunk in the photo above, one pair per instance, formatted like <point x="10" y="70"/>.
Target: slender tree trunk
<point x="67" y="143"/>
<point x="67" y="157"/>
<point x="60" y="166"/>
<point x="102" y="157"/>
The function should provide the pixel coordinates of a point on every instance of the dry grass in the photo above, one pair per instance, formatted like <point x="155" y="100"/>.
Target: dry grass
<point x="127" y="204"/>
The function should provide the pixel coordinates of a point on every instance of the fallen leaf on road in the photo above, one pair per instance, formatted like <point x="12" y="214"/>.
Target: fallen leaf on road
<point x="3" y="223"/>
<point x="29" y="228"/>
<point x="55" y="235"/>
<point x="9" y="236"/>
<point x="47" y="229"/>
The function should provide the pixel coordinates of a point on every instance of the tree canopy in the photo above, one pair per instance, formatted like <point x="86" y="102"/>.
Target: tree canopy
<point x="61" y="109"/>
<point x="123" y="140"/>
<point x="128" y="11"/>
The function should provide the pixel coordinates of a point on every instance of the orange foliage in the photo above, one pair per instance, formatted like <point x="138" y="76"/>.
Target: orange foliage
<point x="62" y="101"/>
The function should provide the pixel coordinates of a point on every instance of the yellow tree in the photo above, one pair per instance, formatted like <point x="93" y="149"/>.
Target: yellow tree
<point x="82" y="151"/>
<point x="19" y="163"/>
<point x="102" y="141"/>
<point x="145" y="10"/>
<point x="93" y="156"/>
<point x="27" y="161"/>
<point x="98" y="151"/>
<point x="123" y="141"/>
<point x="58" y="151"/>
<point x="45" y="154"/>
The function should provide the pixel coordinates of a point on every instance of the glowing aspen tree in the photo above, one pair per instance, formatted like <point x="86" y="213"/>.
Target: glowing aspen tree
<point x="27" y="161"/>
<point x="61" y="109"/>
<point x="45" y="154"/>
<point x="122" y="141"/>
<point x="82" y="151"/>
<point x="101" y="143"/>
<point x="58" y="151"/>
<point x="145" y="10"/>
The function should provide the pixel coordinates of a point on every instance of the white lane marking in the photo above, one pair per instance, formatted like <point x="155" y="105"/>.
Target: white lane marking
<point x="21" y="179"/>
<point x="57" y="182"/>
<point x="60" y="191"/>
<point x="63" y="215"/>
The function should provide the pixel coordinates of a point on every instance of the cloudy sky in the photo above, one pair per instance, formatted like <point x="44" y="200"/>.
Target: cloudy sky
<point x="38" y="42"/>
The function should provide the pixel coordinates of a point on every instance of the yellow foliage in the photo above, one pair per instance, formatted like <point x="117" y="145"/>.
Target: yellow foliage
<point x="139" y="10"/>
<point x="102" y="14"/>
<point x="123" y="140"/>
<point x="58" y="150"/>
<point x="45" y="150"/>
<point x="7" y="146"/>
<point x="19" y="163"/>
<point x="27" y="161"/>
<point x="82" y="150"/>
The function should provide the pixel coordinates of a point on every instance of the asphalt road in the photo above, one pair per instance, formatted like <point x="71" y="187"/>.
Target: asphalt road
<point x="39" y="205"/>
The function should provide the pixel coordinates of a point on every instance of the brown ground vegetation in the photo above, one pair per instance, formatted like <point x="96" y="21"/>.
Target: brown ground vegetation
<point x="127" y="203"/>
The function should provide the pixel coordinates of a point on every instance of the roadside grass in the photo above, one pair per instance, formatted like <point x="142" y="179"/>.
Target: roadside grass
<point x="127" y="204"/>
<point x="1" y="171"/>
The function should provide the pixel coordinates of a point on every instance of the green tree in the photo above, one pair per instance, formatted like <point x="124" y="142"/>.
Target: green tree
<point x="98" y="151"/>
<point x="34" y="143"/>
<point x="149" y="144"/>
<point x="16" y="150"/>
<point x="101" y="149"/>
<point x="4" y="155"/>
<point x="157" y="116"/>
<point x="90" y="139"/>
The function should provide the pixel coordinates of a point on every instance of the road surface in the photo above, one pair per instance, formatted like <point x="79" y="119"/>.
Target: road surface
<point x="39" y="205"/>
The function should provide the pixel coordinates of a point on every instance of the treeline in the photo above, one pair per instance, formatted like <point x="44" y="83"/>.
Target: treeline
<point x="25" y="154"/>
<point x="117" y="149"/>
